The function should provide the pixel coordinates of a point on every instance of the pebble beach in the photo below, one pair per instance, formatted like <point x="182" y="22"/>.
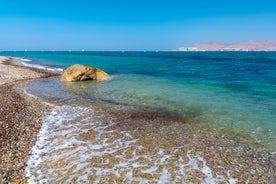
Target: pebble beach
<point x="174" y="146"/>
<point x="19" y="119"/>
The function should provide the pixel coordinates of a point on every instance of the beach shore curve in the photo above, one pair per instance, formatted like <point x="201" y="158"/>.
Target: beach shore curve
<point x="19" y="118"/>
<point x="211" y="155"/>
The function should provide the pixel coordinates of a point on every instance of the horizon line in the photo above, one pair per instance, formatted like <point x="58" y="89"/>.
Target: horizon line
<point x="137" y="51"/>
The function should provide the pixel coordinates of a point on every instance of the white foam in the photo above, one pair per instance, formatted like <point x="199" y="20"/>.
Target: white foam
<point x="59" y="70"/>
<point x="43" y="146"/>
<point x="58" y="136"/>
<point x="165" y="176"/>
<point x="29" y="94"/>
<point x="25" y="60"/>
<point x="103" y="151"/>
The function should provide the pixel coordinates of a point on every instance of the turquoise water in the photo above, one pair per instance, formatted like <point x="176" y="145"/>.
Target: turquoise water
<point x="231" y="92"/>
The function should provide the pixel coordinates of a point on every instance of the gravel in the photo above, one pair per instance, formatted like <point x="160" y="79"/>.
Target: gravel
<point x="19" y="118"/>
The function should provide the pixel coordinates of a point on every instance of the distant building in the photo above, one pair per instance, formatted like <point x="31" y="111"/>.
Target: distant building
<point x="233" y="49"/>
<point x="188" y="49"/>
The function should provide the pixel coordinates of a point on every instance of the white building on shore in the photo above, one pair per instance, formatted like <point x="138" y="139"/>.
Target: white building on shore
<point x="188" y="49"/>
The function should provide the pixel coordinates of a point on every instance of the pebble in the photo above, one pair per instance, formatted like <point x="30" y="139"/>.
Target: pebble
<point x="20" y="123"/>
<point x="19" y="120"/>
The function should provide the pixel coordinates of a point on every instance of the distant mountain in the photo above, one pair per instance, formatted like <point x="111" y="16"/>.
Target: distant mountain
<point x="244" y="46"/>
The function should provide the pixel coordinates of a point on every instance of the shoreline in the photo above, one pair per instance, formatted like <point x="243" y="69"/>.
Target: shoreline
<point x="205" y="155"/>
<point x="19" y="118"/>
<point x="217" y="150"/>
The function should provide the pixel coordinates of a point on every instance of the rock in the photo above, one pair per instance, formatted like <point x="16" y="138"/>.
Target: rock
<point x="79" y="72"/>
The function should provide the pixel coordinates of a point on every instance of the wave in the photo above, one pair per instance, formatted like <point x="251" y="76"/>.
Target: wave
<point x="25" y="60"/>
<point x="43" y="67"/>
<point x="28" y="62"/>
<point x="59" y="70"/>
<point x="77" y="145"/>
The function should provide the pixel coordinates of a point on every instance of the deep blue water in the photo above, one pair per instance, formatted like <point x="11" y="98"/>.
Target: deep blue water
<point x="233" y="92"/>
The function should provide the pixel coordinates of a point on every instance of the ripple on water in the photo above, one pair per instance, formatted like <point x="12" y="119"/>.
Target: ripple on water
<point x="76" y="145"/>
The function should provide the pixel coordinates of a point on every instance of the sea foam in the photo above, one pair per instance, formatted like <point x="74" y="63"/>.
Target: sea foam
<point x="28" y="62"/>
<point x="76" y="145"/>
<point x="25" y="60"/>
<point x="59" y="70"/>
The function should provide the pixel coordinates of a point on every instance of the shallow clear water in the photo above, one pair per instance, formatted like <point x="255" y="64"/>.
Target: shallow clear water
<point x="145" y="124"/>
<point x="233" y="92"/>
<point x="76" y="145"/>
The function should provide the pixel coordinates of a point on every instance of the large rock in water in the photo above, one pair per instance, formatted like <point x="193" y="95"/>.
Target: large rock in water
<point x="79" y="72"/>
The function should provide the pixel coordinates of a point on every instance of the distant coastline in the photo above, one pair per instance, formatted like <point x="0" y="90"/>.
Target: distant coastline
<point x="253" y="45"/>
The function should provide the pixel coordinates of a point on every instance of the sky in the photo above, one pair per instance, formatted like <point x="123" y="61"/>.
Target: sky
<point x="132" y="24"/>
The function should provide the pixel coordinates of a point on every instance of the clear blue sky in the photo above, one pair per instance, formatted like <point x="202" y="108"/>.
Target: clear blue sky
<point x="132" y="24"/>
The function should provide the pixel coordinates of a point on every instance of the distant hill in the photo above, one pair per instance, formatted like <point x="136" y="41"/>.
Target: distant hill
<point x="244" y="46"/>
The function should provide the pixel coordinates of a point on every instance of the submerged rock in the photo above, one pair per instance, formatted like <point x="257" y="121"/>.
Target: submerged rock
<point x="79" y="72"/>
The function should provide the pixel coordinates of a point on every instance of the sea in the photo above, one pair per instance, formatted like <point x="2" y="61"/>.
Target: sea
<point x="230" y="93"/>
